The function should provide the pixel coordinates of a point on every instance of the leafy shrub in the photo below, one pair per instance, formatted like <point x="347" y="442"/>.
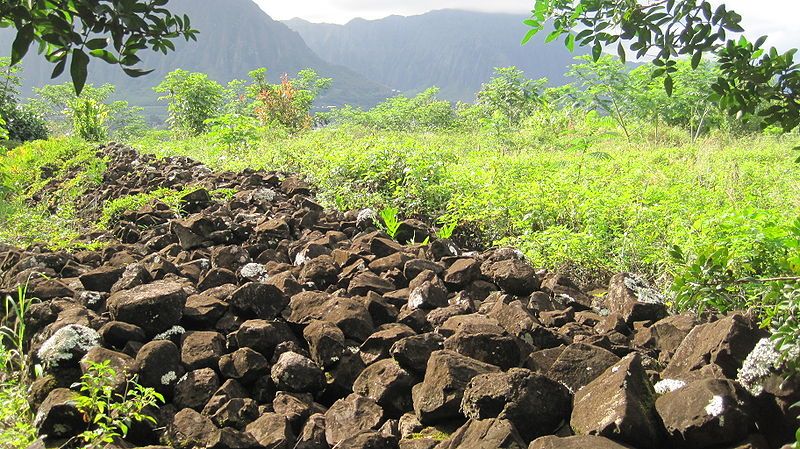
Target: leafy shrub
<point x="25" y="125"/>
<point x="389" y="222"/>
<point x="289" y="102"/>
<point x="108" y="412"/>
<point x="16" y="417"/>
<point x="234" y="131"/>
<point x="89" y="118"/>
<point x="749" y="262"/>
<point x="193" y="99"/>
<point x="92" y="116"/>
<point x="509" y="96"/>
<point x="423" y="112"/>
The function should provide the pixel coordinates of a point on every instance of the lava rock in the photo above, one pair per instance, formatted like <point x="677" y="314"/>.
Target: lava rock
<point x="295" y="372"/>
<point x="706" y="413"/>
<point x="153" y="307"/>
<point x="439" y="395"/>
<point x="630" y="297"/>
<point x="351" y="415"/>
<point x="386" y="383"/>
<point x="535" y="404"/>
<point x="626" y="398"/>
<point x="244" y="364"/>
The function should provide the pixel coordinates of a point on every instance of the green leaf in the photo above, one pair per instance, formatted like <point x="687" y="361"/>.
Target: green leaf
<point x="21" y="43"/>
<point x="135" y="73"/>
<point x="105" y="55"/>
<point x="552" y="36"/>
<point x="696" y="58"/>
<point x="621" y="52"/>
<point x="528" y="36"/>
<point x="569" y="42"/>
<point x="597" y="51"/>
<point x="669" y="84"/>
<point x="95" y="44"/>
<point x="79" y="69"/>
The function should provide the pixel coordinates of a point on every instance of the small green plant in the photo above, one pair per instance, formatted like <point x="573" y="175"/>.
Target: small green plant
<point x="446" y="231"/>
<point x="13" y="332"/>
<point x="16" y="417"/>
<point x="389" y="222"/>
<point x="110" y="414"/>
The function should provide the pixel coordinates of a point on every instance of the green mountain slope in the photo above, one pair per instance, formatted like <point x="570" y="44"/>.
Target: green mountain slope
<point x="236" y="36"/>
<point x="455" y="50"/>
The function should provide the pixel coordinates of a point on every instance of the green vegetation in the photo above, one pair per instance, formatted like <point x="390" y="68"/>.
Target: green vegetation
<point x="27" y="171"/>
<point x="109" y="413"/>
<point x="76" y="30"/>
<point x="15" y="413"/>
<point x="753" y="80"/>
<point x="113" y="209"/>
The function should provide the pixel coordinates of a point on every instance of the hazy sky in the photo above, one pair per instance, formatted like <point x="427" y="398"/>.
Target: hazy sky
<point x="777" y="18"/>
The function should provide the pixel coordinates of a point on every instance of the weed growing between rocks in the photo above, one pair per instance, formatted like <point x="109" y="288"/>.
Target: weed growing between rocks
<point x="109" y="413"/>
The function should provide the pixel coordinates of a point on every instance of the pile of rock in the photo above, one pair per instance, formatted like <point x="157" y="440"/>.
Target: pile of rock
<point x="269" y="322"/>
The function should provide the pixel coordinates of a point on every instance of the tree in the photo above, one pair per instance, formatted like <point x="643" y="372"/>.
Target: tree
<point x="750" y="75"/>
<point x="193" y="100"/>
<point x="289" y="102"/>
<point x="510" y="94"/>
<point x="21" y="123"/>
<point x="605" y="85"/>
<point x="76" y="30"/>
<point x="91" y="115"/>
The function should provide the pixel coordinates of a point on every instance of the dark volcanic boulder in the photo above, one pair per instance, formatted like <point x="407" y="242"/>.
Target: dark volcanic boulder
<point x="351" y="415"/>
<point x="619" y="404"/>
<point x="513" y="276"/>
<point x="413" y="352"/>
<point x="576" y="442"/>
<point x="101" y="279"/>
<point x="153" y="307"/>
<point x="706" y="413"/>
<point x="495" y="348"/>
<point x="579" y="363"/>
<point x="715" y="349"/>
<point x="244" y="364"/>
<point x="386" y="383"/>
<point x="189" y="429"/>
<point x="485" y="434"/>
<point x="535" y="404"/>
<point x="58" y="416"/>
<point x="195" y="388"/>
<point x="272" y="430"/>
<point x="630" y="297"/>
<point x="295" y="372"/>
<point x="257" y="300"/>
<point x="159" y="365"/>
<point x="439" y="395"/>
<point x="202" y="349"/>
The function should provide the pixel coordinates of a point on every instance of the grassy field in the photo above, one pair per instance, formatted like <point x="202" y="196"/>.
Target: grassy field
<point x="593" y="206"/>
<point x="604" y="207"/>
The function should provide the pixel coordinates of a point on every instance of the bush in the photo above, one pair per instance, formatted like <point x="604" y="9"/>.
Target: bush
<point x="289" y="102"/>
<point x="193" y="100"/>
<point x="24" y="125"/>
<point x="423" y="112"/>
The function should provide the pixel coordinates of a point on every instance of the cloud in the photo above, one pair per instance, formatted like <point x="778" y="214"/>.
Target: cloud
<point x="341" y="11"/>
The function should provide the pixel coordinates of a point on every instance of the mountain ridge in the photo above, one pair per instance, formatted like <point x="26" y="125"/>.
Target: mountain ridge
<point x="396" y="51"/>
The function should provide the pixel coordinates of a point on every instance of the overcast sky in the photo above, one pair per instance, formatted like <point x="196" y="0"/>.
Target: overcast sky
<point x="777" y="18"/>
